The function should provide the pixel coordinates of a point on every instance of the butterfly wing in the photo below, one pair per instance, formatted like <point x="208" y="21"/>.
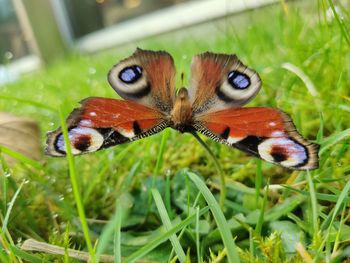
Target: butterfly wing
<point x="221" y="81"/>
<point x="147" y="77"/>
<point x="261" y="131"/>
<point x="100" y="123"/>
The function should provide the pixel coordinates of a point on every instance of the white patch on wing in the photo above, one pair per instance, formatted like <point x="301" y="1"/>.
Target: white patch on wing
<point x="86" y="123"/>
<point x="277" y="134"/>
<point x="232" y="140"/>
<point x="296" y="152"/>
<point x="92" y="113"/>
<point x="96" y="140"/>
<point x="115" y="115"/>
<point x="126" y="133"/>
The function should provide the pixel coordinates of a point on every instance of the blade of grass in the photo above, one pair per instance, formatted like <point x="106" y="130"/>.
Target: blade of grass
<point x="167" y="224"/>
<point x="164" y="237"/>
<point x="5" y="173"/>
<point x="66" y="244"/>
<point x="219" y="217"/>
<point x="160" y="158"/>
<point x="107" y="164"/>
<point x="3" y="257"/>
<point x="341" y="201"/>
<point x="342" y="222"/>
<point x="117" y="236"/>
<point x="9" y="209"/>
<point x="343" y="29"/>
<point x="75" y="187"/>
<point x="106" y="236"/>
<point x="319" y="137"/>
<point x="218" y="168"/>
<point x="183" y="230"/>
<point x="262" y="211"/>
<point x="301" y="75"/>
<point x="30" y="102"/>
<point x="333" y="139"/>
<point x="27" y="256"/>
<point x="168" y="195"/>
<point x="22" y="158"/>
<point x="251" y="245"/>
<point x="258" y="181"/>
<point x="93" y="182"/>
<point x="5" y="245"/>
<point x="319" y="196"/>
<point x="313" y="203"/>
<point x="122" y="205"/>
<point x="158" y="163"/>
<point x="199" y="260"/>
<point x="128" y="179"/>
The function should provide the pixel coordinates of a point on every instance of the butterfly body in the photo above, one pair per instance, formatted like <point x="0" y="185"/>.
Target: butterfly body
<point x="182" y="116"/>
<point x="219" y="86"/>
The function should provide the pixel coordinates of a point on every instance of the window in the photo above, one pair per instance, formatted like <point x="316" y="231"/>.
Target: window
<point x="13" y="44"/>
<point x="87" y="16"/>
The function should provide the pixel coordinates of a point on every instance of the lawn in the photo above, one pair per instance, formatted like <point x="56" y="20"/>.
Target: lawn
<point x="146" y="200"/>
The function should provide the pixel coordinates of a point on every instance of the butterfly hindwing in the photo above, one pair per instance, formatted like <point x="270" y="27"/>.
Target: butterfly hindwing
<point x="220" y="81"/>
<point x="147" y="77"/>
<point x="100" y="123"/>
<point x="261" y="131"/>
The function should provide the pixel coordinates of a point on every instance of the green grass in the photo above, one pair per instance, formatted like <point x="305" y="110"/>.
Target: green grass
<point x="102" y="203"/>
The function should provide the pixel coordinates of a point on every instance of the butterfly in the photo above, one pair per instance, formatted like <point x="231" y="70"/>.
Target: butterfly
<point x="220" y="84"/>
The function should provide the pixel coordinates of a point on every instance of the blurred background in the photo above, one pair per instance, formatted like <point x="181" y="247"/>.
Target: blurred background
<point x="37" y="32"/>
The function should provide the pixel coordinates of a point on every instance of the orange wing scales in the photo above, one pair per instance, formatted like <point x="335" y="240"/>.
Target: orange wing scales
<point x="260" y="121"/>
<point x="102" y="122"/>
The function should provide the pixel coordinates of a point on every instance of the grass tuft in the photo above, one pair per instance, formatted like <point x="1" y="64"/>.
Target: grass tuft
<point x="232" y="254"/>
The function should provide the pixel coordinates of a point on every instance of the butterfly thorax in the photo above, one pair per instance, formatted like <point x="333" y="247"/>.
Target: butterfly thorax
<point x="181" y="115"/>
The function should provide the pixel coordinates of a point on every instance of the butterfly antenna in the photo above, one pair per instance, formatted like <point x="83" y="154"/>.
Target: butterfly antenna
<point x="182" y="79"/>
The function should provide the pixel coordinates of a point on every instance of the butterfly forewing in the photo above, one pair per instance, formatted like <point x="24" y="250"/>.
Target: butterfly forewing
<point x="147" y="77"/>
<point x="261" y="131"/>
<point x="102" y="122"/>
<point x="220" y="81"/>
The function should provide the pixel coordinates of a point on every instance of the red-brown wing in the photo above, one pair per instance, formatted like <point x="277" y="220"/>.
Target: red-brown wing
<point x="100" y="123"/>
<point x="264" y="132"/>
<point x="221" y="81"/>
<point x="147" y="77"/>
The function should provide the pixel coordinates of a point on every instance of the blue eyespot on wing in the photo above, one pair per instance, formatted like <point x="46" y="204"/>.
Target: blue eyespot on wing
<point x="130" y="74"/>
<point x="238" y="80"/>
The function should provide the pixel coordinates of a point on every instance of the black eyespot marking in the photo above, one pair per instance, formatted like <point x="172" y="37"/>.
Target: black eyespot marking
<point x="59" y="143"/>
<point x="238" y="80"/>
<point x="111" y="137"/>
<point x="279" y="154"/>
<point x="279" y="157"/>
<point x="136" y="127"/>
<point x="250" y="144"/>
<point x="130" y="74"/>
<point x="83" y="142"/>
<point x="225" y="133"/>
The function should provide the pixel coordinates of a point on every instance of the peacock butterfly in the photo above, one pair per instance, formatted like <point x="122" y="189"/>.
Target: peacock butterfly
<point x="219" y="86"/>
